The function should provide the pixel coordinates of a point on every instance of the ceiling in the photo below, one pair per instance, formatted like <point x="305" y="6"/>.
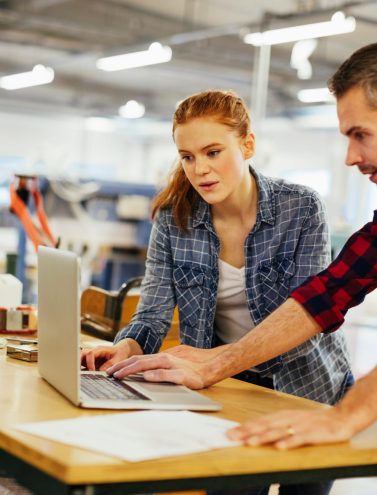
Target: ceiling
<point x="205" y="36"/>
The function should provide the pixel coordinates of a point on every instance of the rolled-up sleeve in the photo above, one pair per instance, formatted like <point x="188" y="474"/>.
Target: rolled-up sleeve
<point x="349" y="278"/>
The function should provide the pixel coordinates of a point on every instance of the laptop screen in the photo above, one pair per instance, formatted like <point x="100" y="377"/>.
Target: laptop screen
<point x="59" y="320"/>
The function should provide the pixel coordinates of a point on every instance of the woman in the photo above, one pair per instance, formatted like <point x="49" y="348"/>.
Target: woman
<point x="228" y="245"/>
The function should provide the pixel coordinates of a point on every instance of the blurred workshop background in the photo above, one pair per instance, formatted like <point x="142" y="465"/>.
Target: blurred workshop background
<point x="96" y="130"/>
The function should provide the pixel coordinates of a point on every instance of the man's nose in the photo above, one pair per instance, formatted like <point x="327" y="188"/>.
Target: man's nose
<point x="353" y="156"/>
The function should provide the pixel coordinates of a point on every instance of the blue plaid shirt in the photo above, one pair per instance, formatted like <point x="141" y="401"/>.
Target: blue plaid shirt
<point x="288" y="243"/>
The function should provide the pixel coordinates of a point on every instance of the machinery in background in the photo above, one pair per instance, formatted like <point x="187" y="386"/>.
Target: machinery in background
<point x="107" y="223"/>
<point x="22" y="189"/>
<point x="109" y="229"/>
<point x="25" y="200"/>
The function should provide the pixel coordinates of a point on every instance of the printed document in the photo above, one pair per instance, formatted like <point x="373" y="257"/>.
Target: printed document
<point x="138" y="436"/>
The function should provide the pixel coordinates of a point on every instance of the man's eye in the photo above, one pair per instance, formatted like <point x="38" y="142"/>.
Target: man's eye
<point x="359" y="136"/>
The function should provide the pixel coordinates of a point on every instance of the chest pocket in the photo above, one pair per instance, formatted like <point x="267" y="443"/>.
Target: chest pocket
<point x="275" y="277"/>
<point x="188" y="284"/>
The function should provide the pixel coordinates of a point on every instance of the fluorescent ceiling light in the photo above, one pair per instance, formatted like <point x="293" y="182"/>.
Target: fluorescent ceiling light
<point x="339" y="24"/>
<point x="37" y="76"/>
<point x="156" y="54"/>
<point x="315" y="95"/>
<point x="132" y="110"/>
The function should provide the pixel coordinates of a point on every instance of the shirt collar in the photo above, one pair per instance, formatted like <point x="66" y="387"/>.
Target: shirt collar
<point x="266" y="204"/>
<point x="266" y="211"/>
<point x="202" y="214"/>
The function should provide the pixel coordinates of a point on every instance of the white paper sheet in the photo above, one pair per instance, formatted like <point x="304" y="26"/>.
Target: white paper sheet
<point x="138" y="436"/>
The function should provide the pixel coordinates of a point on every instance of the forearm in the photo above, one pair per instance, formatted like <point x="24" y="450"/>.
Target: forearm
<point x="287" y="327"/>
<point x="359" y="406"/>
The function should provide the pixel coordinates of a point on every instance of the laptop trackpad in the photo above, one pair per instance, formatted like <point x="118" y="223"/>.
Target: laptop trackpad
<point x="166" y="392"/>
<point x="160" y="388"/>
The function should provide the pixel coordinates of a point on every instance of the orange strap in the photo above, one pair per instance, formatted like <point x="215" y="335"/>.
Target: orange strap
<point x="36" y="235"/>
<point x="38" y="200"/>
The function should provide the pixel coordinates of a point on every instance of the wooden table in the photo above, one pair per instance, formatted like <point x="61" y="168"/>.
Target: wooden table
<point x="51" y="468"/>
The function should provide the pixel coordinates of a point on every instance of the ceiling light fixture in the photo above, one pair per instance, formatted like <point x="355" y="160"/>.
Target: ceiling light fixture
<point x="132" y="110"/>
<point x="156" y="54"/>
<point x="37" y="76"/>
<point x="301" y="52"/>
<point x="315" y="95"/>
<point x="339" y="24"/>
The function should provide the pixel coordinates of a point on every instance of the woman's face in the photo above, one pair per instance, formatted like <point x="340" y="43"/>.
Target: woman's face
<point x="214" y="158"/>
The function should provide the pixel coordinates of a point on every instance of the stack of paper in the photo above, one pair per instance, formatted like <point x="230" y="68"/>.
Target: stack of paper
<point x="138" y="436"/>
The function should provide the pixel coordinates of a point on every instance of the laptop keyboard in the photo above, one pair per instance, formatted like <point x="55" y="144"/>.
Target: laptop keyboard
<point x="104" y="387"/>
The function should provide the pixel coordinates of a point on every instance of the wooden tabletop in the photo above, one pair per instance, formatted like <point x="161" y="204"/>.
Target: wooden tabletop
<point x="25" y="397"/>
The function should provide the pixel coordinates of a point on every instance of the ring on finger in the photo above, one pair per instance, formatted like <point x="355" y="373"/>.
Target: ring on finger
<point x="290" y="430"/>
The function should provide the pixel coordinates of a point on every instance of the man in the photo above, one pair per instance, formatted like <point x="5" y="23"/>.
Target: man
<point x="319" y="305"/>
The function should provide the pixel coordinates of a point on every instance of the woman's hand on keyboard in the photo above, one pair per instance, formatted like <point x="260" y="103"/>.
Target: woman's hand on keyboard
<point x="103" y="357"/>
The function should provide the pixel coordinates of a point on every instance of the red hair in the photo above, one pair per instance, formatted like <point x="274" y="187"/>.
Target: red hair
<point x="228" y="109"/>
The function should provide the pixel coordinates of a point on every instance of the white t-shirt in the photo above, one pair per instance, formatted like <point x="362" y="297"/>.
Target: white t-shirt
<point x="232" y="317"/>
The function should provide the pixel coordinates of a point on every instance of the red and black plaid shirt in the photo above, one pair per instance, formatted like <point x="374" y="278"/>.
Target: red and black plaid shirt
<point x="345" y="283"/>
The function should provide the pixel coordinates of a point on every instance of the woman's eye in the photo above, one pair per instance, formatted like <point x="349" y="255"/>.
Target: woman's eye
<point x="213" y="153"/>
<point x="186" y="158"/>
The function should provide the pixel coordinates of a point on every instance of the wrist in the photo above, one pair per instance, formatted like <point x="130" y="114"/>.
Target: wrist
<point x="351" y="419"/>
<point x="131" y="346"/>
<point x="212" y="371"/>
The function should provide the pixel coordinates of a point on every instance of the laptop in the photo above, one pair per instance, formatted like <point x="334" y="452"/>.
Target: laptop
<point x="59" y="349"/>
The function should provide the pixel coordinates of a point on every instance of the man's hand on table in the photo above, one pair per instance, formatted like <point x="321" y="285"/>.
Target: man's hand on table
<point x="162" y="367"/>
<point x="289" y="429"/>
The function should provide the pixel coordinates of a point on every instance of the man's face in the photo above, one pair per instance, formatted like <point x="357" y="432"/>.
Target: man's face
<point x="358" y="121"/>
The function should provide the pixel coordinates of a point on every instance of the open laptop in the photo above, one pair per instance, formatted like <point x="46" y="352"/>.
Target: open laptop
<point x="59" y="353"/>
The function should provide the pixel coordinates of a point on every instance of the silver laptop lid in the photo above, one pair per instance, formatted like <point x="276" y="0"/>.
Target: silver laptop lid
<point x="58" y="343"/>
<point x="59" y="320"/>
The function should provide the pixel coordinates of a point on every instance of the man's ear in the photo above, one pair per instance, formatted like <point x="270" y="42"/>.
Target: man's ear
<point x="248" y="146"/>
